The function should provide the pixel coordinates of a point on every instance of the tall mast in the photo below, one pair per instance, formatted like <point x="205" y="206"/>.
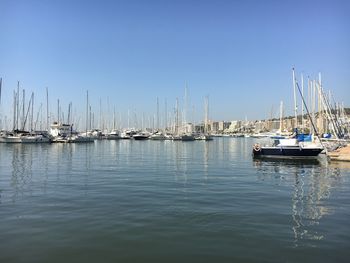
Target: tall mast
<point x="69" y="112"/>
<point x="100" y="124"/>
<point x="32" y="115"/>
<point x="90" y="118"/>
<point x="313" y="85"/>
<point x="14" y="109"/>
<point x="158" y="114"/>
<point x="17" y="101"/>
<point x="206" y="113"/>
<point x="309" y="95"/>
<point x="302" y="105"/>
<point x="321" y="108"/>
<point x="0" y="104"/>
<point x="295" y="102"/>
<point x="281" y="116"/>
<point x="23" y="109"/>
<point x="0" y="89"/>
<point x="166" y="115"/>
<point x="47" y="109"/>
<point x="185" y="110"/>
<point x="177" y="116"/>
<point x="114" y="118"/>
<point x="87" y="112"/>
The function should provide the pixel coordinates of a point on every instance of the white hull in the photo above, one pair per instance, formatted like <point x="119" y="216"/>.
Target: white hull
<point x="10" y="139"/>
<point x="35" y="139"/>
<point x="157" y="137"/>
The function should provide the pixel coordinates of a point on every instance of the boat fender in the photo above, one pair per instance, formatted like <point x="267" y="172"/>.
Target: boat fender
<point x="257" y="147"/>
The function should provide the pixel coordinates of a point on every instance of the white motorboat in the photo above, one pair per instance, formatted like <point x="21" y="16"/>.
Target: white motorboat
<point x="113" y="135"/>
<point x="158" y="136"/>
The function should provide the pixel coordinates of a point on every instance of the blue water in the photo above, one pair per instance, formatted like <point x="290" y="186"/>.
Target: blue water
<point x="165" y="201"/>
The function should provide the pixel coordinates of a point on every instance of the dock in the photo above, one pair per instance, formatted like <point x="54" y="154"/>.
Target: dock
<point x="341" y="154"/>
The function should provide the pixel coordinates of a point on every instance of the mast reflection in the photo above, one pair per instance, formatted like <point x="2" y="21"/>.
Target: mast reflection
<point x="312" y="182"/>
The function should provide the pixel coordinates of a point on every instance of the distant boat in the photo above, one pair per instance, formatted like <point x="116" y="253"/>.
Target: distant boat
<point x="60" y="129"/>
<point x="187" y="137"/>
<point x="158" y="136"/>
<point x="10" y="138"/>
<point x="35" y="138"/>
<point x="260" y="135"/>
<point x="113" y="135"/>
<point x="204" y="137"/>
<point x="141" y="136"/>
<point x="176" y="138"/>
<point x="79" y="139"/>
<point x="24" y="137"/>
<point x="127" y="134"/>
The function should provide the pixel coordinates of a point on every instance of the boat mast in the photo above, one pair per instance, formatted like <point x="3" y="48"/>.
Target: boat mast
<point x="69" y="112"/>
<point x="58" y="111"/>
<point x="295" y="102"/>
<point x="302" y="104"/>
<point x="158" y="114"/>
<point x="47" y="109"/>
<point x="281" y="117"/>
<point x="313" y="84"/>
<point x="100" y="124"/>
<point x="23" y="109"/>
<point x="185" y="111"/>
<point x="14" y="109"/>
<point x="113" y="118"/>
<point x="308" y="113"/>
<point x="206" y="113"/>
<point x="309" y="94"/>
<point x="177" y="117"/>
<point x="32" y="115"/>
<point x="87" y="112"/>
<point x="0" y="89"/>
<point x="0" y="105"/>
<point x="17" y="110"/>
<point x="166" y="115"/>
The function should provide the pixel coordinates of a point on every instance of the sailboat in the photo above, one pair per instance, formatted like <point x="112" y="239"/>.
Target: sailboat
<point x="298" y="145"/>
<point x="206" y="135"/>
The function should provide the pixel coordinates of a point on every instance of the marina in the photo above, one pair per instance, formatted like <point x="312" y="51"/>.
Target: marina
<point x="153" y="200"/>
<point x="174" y="131"/>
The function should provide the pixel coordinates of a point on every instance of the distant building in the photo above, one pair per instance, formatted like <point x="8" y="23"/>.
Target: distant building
<point x="235" y="126"/>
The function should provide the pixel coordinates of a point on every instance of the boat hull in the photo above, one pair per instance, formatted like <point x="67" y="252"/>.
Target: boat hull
<point x="35" y="139"/>
<point x="187" y="138"/>
<point x="287" y="152"/>
<point x="140" y="137"/>
<point x="10" y="139"/>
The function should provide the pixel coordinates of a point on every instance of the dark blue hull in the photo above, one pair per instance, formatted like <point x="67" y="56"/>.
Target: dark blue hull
<point x="287" y="152"/>
<point x="141" y="137"/>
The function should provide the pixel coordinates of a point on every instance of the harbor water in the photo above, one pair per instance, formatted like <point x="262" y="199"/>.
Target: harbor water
<point x="169" y="201"/>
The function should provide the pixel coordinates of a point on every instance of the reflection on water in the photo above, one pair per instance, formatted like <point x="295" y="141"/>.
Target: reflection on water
<point x="21" y="174"/>
<point x="312" y="181"/>
<point x="42" y="163"/>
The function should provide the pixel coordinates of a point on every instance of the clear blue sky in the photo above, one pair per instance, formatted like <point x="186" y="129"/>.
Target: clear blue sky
<point x="240" y="53"/>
